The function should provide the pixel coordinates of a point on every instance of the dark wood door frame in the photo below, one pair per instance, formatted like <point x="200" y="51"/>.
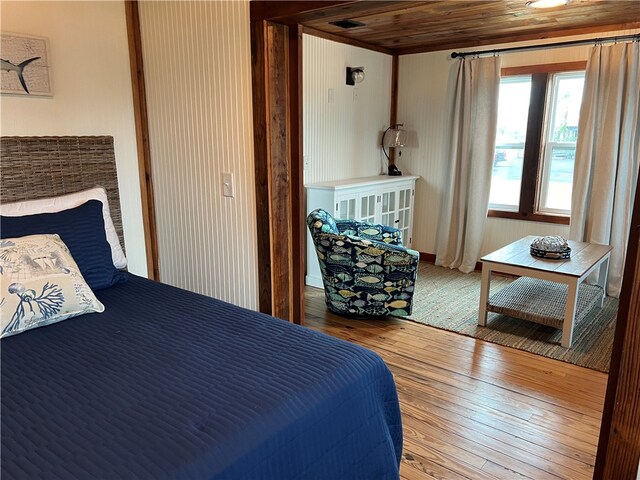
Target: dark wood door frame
<point x="298" y="212"/>
<point x="276" y="56"/>
<point x="142" y="138"/>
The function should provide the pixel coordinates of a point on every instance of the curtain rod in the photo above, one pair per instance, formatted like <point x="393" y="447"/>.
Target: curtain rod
<point x="635" y="37"/>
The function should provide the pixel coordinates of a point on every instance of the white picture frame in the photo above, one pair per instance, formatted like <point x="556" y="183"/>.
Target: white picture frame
<point x="25" y="66"/>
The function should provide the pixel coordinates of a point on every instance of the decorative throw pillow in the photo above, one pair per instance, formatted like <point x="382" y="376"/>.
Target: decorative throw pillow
<point x="40" y="284"/>
<point x="65" y="202"/>
<point x="82" y="230"/>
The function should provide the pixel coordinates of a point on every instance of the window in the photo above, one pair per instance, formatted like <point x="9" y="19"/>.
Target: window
<point x="538" y="114"/>
<point x="513" y="109"/>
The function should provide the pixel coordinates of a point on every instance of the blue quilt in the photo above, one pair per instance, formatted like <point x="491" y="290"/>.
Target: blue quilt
<point x="170" y="384"/>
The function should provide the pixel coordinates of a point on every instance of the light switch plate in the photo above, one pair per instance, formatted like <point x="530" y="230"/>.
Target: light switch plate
<point x="228" y="189"/>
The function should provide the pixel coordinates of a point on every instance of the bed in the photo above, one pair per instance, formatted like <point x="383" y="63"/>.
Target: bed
<point x="166" y="383"/>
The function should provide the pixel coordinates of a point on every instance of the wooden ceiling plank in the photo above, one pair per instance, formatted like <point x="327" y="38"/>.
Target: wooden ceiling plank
<point x="381" y="35"/>
<point x="387" y="14"/>
<point x="470" y="31"/>
<point x="348" y="41"/>
<point x="347" y="10"/>
<point x="412" y="27"/>
<point x="417" y="35"/>
<point x="282" y="10"/>
<point x="395" y="24"/>
<point x="448" y="44"/>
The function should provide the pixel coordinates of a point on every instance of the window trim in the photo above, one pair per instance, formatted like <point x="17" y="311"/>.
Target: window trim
<point x="532" y="160"/>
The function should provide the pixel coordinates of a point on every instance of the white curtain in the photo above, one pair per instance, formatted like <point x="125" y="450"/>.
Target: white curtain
<point x="474" y="115"/>
<point x="606" y="167"/>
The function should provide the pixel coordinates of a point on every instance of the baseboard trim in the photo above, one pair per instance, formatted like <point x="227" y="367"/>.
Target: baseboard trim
<point x="314" y="281"/>
<point x="428" y="257"/>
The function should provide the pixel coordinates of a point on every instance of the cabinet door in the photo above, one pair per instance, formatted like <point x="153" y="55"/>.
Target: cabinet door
<point x="346" y="207"/>
<point x="388" y="208"/>
<point x="368" y="206"/>
<point x="397" y="211"/>
<point x="405" y="197"/>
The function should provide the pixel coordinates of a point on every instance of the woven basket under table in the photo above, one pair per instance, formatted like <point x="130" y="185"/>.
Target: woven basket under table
<point x="542" y="301"/>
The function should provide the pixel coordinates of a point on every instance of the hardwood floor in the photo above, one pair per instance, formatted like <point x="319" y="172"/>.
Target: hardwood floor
<point x="477" y="410"/>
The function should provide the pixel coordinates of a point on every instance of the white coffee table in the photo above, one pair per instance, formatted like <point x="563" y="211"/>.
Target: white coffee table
<point x="515" y="259"/>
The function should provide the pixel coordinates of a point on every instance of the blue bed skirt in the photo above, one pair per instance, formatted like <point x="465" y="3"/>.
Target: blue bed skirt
<point x="169" y="384"/>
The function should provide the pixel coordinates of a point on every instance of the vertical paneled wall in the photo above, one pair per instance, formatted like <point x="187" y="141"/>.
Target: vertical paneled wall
<point x="423" y="105"/>
<point x="197" y="64"/>
<point x="343" y="124"/>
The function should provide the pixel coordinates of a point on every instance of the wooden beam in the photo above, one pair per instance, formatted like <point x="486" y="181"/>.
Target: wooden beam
<point x="284" y="10"/>
<point x="348" y="41"/>
<point x="261" y="147"/>
<point x="619" y="445"/>
<point x="277" y="103"/>
<point x="393" y="116"/>
<point x="298" y="223"/>
<point x="142" y="138"/>
<point x="280" y="173"/>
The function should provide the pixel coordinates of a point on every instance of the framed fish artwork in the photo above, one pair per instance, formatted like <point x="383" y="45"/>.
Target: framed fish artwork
<point x="25" y="65"/>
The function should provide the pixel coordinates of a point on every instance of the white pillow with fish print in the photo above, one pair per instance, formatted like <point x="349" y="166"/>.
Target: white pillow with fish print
<point x="40" y="284"/>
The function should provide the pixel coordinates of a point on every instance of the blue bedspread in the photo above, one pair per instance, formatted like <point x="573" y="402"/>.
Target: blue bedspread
<point x="170" y="384"/>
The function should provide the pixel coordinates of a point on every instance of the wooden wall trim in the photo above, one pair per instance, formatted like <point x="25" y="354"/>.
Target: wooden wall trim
<point x="393" y="118"/>
<point x="347" y="41"/>
<point x="619" y="444"/>
<point x="142" y="138"/>
<point x="427" y="257"/>
<point x="279" y="177"/>
<point x="261" y="149"/>
<point x="393" y="115"/>
<point x="276" y="54"/>
<point x="298" y="223"/>
<point x="530" y="217"/>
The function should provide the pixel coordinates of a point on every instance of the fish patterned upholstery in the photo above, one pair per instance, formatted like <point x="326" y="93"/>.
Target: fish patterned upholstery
<point x="365" y="269"/>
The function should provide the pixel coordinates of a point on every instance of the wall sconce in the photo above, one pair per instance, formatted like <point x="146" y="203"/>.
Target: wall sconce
<point x="355" y="75"/>
<point x="393" y="137"/>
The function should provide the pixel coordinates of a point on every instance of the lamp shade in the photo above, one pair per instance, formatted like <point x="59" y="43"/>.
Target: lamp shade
<point x="395" y="137"/>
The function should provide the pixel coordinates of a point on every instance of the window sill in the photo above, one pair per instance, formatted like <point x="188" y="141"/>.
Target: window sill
<point x="530" y="217"/>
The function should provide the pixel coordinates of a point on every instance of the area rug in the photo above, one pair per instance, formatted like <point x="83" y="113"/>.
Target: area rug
<point x="448" y="299"/>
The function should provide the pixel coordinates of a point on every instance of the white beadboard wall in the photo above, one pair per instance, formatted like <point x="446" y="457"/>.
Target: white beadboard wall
<point x="342" y="129"/>
<point x="422" y="106"/>
<point x="197" y="69"/>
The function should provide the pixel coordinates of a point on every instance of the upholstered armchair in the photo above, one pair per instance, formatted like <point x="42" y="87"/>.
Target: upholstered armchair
<point x="365" y="269"/>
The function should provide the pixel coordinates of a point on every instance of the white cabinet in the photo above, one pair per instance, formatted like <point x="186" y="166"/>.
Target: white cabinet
<point x="381" y="199"/>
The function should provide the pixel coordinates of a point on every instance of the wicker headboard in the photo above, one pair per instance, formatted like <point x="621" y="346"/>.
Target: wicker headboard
<point x="37" y="167"/>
